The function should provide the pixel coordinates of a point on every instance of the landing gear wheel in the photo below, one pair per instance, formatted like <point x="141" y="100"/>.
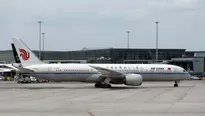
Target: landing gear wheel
<point x="108" y="86"/>
<point x="98" y="85"/>
<point x="176" y="84"/>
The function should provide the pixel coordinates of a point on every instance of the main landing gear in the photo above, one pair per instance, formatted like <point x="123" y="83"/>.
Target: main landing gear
<point x="102" y="85"/>
<point x="176" y="84"/>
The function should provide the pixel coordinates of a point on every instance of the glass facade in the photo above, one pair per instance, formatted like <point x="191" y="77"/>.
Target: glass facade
<point x="117" y="55"/>
<point x="6" y="56"/>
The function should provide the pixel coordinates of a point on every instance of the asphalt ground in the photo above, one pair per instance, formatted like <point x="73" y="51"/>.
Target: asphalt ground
<point x="83" y="99"/>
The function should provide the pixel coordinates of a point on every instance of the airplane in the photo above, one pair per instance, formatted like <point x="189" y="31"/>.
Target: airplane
<point x="8" y="67"/>
<point x="12" y="66"/>
<point x="3" y="70"/>
<point x="103" y="75"/>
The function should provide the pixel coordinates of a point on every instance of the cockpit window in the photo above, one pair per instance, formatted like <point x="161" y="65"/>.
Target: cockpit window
<point x="184" y="70"/>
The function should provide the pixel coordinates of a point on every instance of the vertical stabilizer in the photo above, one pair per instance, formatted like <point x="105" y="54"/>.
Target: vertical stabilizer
<point x="26" y="56"/>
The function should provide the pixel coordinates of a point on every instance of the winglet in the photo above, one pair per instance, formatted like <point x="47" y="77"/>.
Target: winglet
<point x="27" y="57"/>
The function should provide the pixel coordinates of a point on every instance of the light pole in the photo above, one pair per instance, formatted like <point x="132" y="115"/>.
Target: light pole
<point x="39" y="55"/>
<point x="128" y="39"/>
<point x="43" y="35"/>
<point x="157" y="41"/>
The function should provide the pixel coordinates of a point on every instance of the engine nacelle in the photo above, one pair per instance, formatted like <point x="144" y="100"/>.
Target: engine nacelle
<point x="133" y="79"/>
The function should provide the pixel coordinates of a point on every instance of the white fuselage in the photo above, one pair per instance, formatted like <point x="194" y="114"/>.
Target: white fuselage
<point x="85" y="73"/>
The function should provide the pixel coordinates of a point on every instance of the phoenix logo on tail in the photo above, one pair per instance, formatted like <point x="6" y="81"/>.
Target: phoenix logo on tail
<point x="24" y="54"/>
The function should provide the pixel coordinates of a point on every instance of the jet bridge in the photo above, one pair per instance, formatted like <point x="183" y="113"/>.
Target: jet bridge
<point x="195" y="66"/>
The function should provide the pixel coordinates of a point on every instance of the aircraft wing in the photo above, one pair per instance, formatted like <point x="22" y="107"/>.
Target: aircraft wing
<point x="107" y="72"/>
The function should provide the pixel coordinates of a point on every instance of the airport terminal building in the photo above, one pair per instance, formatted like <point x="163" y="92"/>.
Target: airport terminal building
<point x="110" y="55"/>
<point x="190" y="60"/>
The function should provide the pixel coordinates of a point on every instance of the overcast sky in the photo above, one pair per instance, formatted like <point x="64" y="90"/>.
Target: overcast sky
<point x="74" y="24"/>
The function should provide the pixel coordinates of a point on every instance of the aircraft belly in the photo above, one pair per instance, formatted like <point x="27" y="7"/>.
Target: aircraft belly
<point x="94" y="78"/>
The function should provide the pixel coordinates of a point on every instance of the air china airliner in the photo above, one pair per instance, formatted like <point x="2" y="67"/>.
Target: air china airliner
<point x="103" y="75"/>
<point x="8" y="68"/>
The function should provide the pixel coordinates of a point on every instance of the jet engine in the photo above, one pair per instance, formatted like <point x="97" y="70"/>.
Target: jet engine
<point x="133" y="79"/>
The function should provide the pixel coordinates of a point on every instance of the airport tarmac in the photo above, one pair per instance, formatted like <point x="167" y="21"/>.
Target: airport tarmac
<point x="82" y="99"/>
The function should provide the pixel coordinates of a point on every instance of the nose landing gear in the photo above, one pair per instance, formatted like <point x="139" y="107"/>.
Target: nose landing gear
<point x="176" y="84"/>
